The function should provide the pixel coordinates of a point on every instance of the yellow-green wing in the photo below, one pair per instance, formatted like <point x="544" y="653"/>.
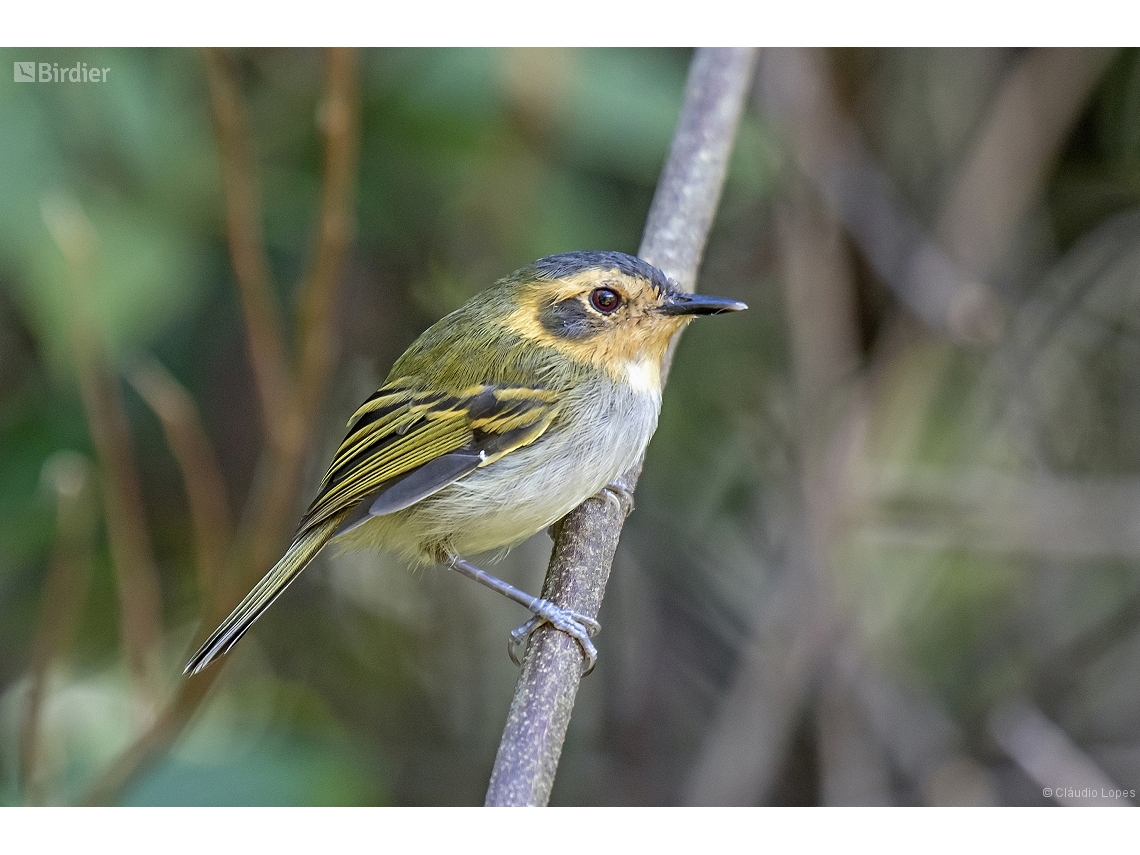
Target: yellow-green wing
<point x="404" y="444"/>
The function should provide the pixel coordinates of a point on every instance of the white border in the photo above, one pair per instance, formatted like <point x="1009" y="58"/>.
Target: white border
<point x="71" y="23"/>
<point x="472" y="831"/>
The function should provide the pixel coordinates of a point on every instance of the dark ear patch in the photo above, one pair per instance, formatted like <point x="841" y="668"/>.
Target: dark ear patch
<point x="570" y="319"/>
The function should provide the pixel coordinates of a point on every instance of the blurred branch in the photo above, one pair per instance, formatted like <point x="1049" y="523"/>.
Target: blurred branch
<point x="69" y="477"/>
<point x="1064" y="669"/>
<point x="924" y="743"/>
<point x="274" y="495"/>
<point x="819" y="297"/>
<point x="797" y="91"/>
<point x="853" y="768"/>
<point x="744" y="748"/>
<point x="1049" y="756"/>
<point x="942" y="280"/>
<point x="247" y="244"/>
<point x="154" y="742"/>
<point x="794" y="632"/>
<point x="586" y="539"/>
<point x="139" y="596"/>
<point x="205" y="485"/>
<point x="991" y="511"/>
<point x="1020" y="138"/>
<point x="339" y="120"/>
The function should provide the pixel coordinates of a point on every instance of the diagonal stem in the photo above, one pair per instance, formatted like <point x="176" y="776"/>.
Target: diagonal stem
<point x="274" y="497"/>
<point x="272" y="503"/>
<point x="340" y="123"/>
<point x="201" y="472"/>
<point x="586" y="539"/>
<point x="246" y="241"/>
<point x="139" y="593"/>
<point x="67" y="582"/>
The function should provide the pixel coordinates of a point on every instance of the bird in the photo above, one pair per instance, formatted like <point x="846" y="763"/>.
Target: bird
<point x="501" y="418"/>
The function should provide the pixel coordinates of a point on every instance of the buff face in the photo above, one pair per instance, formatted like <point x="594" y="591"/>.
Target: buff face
<point x="618" y="320"/>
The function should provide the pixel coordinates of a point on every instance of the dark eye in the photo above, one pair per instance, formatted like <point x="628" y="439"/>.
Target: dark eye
<point x="605" y="300"/>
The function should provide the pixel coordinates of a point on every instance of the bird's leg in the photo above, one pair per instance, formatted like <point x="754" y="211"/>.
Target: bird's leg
<point x="578" y="626"/>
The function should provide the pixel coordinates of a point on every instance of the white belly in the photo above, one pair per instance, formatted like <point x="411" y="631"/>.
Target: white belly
<point x="525" y="491"/>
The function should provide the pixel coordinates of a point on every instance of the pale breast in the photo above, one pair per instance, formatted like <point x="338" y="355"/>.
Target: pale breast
<point x="524" y="492"/>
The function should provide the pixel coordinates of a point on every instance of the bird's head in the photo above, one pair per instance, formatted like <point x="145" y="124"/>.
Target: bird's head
<point x="606" y="308"/>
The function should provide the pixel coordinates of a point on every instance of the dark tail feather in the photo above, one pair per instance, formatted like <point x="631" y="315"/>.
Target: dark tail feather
<point x="299" y="554"/>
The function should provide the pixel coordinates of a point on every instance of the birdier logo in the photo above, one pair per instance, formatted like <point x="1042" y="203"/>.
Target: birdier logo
<point x="50" y="72"/>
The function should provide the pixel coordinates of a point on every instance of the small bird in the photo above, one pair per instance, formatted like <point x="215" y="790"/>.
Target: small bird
<point x="500" y="419"/>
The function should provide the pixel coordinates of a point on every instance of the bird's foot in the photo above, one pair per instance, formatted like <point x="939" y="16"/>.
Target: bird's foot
<point x="578" y="626"/>
<point x="618" y="492"/>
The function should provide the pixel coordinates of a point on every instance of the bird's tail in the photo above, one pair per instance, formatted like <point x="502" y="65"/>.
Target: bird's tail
<point x="296" y="557"/>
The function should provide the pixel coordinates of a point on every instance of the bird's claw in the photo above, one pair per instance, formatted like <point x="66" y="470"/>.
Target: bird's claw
<point x="620" y="493"/>
<point x="578" y="626"/>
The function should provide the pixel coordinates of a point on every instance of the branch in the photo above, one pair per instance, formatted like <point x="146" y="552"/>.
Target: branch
<point x="156" y="741"/>
<point x="586" y="539"/>
<point x="138" y="589"/>
<point x="796" y="629"/>
<point x="201" y="473"/>
<point x="275" y="495"/>
<point x="852" y="761"/>
<point x="1021" y="137"/>
<point x="247" y="244"/>
<point x="340" y="120"/>
<point x="1049" y="756"/>
<point x="280" y="468"/>
<point x="69" y="475"/>
<point x="798" y="94"/>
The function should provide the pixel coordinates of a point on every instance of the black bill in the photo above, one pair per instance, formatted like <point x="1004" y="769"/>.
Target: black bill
<point x="680" y="303"/>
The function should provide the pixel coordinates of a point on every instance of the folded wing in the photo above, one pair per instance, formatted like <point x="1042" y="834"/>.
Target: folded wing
<point x="402" y="446"/>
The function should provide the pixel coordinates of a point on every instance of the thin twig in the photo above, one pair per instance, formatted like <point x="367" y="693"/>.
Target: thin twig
<point x="853" y="768"/>
<point x="797" y="628"/>
<point x="247" y="244"/>
<point x="281" y="466"/>
<point x="275" y="496"/>
<point x="69" y="476"/>
<point x="339" y="120"/>
<point x="1020" y="139"/>
<point x="1049" y="756"/>
<point x="201" y="473"/>
<point x="139" y="599"/>
<point x="586" y="540"/>
<point x="798" y="93"/>
<point x="156" y="741"/>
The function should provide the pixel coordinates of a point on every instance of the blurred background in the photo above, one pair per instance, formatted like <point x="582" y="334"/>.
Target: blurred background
<point x="886" y="547"/>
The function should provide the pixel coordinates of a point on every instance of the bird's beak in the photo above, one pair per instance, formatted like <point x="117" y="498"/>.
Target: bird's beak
<point x="680" y="303"/>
